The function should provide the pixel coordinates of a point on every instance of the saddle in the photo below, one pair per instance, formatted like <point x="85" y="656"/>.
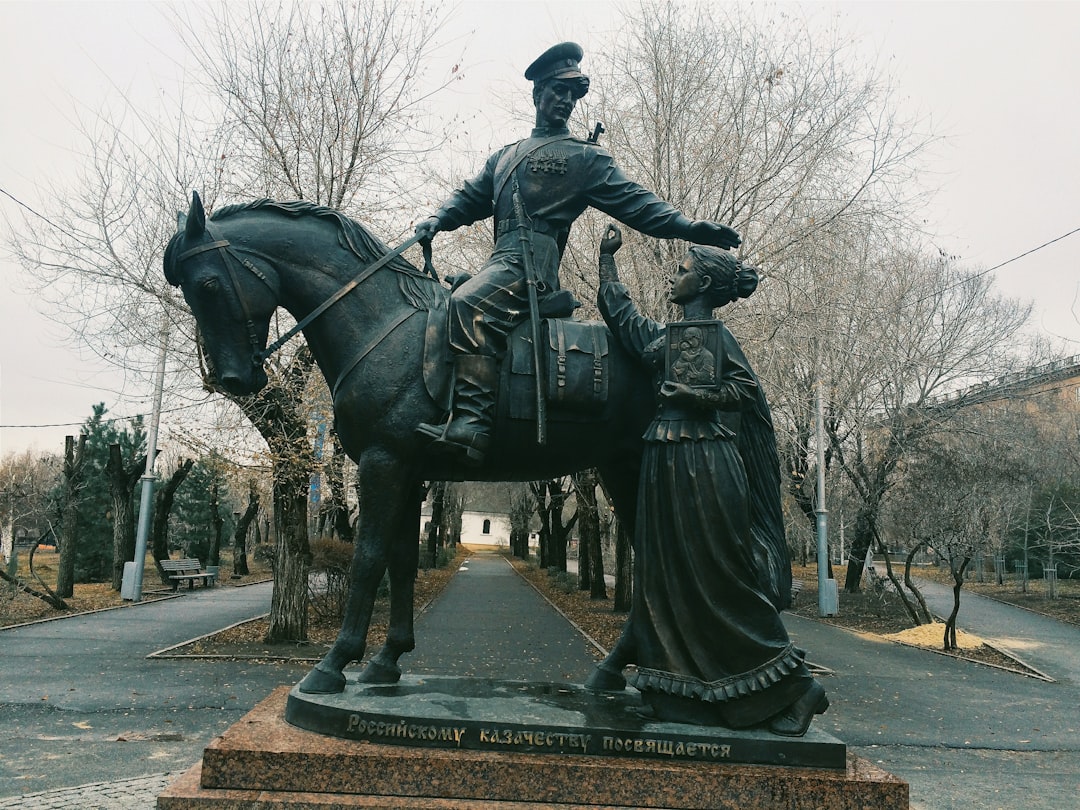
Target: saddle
<point x="574" y="358"/>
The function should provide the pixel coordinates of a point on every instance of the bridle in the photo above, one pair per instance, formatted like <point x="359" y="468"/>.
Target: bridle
<point x="231" y="258"/>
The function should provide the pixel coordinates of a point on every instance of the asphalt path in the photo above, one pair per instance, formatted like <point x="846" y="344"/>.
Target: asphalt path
<point x="80" y="703"/>
<point x="963" y="734"/>
<point x="1048" y="645"/>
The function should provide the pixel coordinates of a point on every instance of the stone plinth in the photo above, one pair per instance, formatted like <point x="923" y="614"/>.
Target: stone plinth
<point x="265" y="762"/>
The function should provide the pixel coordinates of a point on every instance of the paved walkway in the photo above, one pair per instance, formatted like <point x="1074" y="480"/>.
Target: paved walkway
<point x="81" y="704"/>
<point x="1048" y="645"/>
<point x="87" y="722"/>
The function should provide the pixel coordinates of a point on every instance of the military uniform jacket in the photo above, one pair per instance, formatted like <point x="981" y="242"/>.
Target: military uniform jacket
<point x="558" y="181"/>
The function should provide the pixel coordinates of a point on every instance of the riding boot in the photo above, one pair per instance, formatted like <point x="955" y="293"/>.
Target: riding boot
<point x="469" y="429"/>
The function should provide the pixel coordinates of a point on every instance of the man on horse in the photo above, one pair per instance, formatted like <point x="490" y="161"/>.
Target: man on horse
<point x="535" y="189"/>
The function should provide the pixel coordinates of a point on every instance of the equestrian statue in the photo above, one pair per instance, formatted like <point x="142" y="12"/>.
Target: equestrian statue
<point x="491" y="381"/>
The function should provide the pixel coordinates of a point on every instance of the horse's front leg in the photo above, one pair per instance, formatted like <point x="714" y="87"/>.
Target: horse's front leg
<point x="404" y="557"/>
<point x="384" y="494"/>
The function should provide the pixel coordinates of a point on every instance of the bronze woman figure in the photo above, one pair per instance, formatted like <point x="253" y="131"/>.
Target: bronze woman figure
<point x="707" y="638"/>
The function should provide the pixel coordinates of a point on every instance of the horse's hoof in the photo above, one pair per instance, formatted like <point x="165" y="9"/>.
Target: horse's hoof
<point x="376" y="672"/>
<point x="321" y="682"/>
<point x="604" y="680"/>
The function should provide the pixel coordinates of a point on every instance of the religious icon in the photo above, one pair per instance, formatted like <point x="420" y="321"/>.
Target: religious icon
<point x="693" y="353"/>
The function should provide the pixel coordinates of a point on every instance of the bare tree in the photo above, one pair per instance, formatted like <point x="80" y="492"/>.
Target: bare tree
<point x="930" y="329"/>
<point x="324" y="101"/>
<point x="750" y="121"/>
<point x="320" y="102"/>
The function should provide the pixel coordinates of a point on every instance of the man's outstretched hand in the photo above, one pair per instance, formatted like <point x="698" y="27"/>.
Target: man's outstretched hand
<point x="704" y="232"/>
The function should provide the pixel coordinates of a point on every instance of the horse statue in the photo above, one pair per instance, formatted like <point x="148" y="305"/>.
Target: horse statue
<point x="382" y="350"/>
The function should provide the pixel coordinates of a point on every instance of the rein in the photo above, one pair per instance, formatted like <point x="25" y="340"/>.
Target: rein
<point x="230" y="255"/>
<point x="356" y="282"/>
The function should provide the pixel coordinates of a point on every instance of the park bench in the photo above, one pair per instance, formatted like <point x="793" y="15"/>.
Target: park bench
<point x="187" y="570"/>
<point x="796" y="588"/>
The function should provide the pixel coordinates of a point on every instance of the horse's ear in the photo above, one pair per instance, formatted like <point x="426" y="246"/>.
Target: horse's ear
<point x="196" y="218"/>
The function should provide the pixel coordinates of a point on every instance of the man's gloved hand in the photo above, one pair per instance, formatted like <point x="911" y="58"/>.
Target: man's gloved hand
<point x="704" y="232"/>
<point x="428" y="228"/>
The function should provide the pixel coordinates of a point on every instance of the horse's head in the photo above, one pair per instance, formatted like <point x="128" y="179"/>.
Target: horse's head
<point x="230" y="296"/>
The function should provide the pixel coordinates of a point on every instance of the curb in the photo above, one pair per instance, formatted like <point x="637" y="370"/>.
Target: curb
<point x="168" y="595"/>
<point x="166" y="652"/>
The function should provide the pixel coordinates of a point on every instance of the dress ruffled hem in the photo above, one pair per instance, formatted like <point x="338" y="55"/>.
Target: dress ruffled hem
<point x="694" y="430"/>
<point x="724" y="689"/>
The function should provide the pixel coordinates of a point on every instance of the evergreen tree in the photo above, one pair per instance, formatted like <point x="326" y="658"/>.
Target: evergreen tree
<point x="192" y="524"/>
<point x="94" y="524"/>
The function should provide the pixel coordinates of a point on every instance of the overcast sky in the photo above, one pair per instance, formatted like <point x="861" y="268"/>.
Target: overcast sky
<point x="1001" y="80"/>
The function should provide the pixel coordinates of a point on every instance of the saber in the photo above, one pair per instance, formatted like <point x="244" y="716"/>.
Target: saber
<point x="524" y="235"/>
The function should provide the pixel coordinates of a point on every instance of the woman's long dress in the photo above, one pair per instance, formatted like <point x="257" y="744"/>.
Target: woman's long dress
<point x="705" y="620"/>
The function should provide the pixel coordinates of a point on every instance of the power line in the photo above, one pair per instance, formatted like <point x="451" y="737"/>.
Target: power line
<point x="1029" y="252"/>
<point x="109" y="421"/>
<point x="37" y="214"/>
<point x="1013" y="259"/>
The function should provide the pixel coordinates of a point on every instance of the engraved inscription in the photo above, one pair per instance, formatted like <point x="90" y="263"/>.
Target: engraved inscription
<point x="539" y="739"/>
<point x="670" y="748"/>
<point x="356" y="726"/>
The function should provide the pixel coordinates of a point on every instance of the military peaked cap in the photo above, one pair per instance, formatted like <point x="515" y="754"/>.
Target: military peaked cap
<point x="561" y="61"/>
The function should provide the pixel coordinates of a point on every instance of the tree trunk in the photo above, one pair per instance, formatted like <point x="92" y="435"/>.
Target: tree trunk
<point x="958" y="583"/>
<point x="292" y="556"/>
<point x="218" y="524"/>
<point x="927" y="617"/>
<point x="240" y="564"/>
<point x="163" y="502"/>
<point x="521" y="510"/>
<point x="539" y="490"/>
<point x="334" y="510"/>
<point x="122" y="482"/>
<point x="73" y="473"/>
<point x="590" y="552"/>
<point x="624" y="568"/>
<point x="860" y="545"/>
<point x="558" y="530"/>
<point x="899" y="588"/>
<point x="275" y="413"/>
<point x="437" y="493"/>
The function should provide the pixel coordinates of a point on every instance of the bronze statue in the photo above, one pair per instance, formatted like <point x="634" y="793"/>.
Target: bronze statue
<point x="534" y="189"/>
<point x="381" y="349"/>
<point x="385" y="351"/>
<point x="705" y="629"/>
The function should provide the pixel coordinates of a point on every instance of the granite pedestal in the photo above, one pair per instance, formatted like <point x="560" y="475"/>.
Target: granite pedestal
<point x="470" y="743"/>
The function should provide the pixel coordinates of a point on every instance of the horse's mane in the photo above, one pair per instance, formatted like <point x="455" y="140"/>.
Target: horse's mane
<point x="357" y="239"/>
